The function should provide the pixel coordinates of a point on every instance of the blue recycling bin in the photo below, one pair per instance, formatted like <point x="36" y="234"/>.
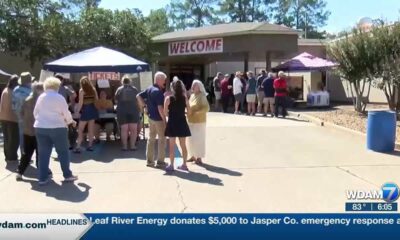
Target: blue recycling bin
<point x="381" y="131"/>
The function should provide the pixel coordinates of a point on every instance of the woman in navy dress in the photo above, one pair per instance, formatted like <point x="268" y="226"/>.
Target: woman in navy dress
<point x="177" y="126"/>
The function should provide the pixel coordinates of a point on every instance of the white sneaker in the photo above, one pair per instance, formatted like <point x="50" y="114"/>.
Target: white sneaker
<point x="71" y="179"/>
<point x="18" y="177"/>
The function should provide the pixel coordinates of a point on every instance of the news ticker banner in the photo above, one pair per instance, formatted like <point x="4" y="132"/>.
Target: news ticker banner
<point x="198" y="226"/>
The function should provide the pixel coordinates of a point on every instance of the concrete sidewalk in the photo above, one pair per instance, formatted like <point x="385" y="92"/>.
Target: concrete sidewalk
<point x="253" y="164"/>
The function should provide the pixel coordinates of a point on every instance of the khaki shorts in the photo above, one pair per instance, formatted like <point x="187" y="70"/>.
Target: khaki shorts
<point x="269" y="100"/>
<point x="251" y="98"/>
<point x="260" y="97"/>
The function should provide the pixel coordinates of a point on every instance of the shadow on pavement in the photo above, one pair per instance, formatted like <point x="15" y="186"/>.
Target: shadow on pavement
<point x="293" y="119"/>
<point x="64" y="192"/>
<point x="220" y="170"/>
<point x="314" y="109"/>
<point x="394" y="153"/>
<point x="196" y="177"/>
<point x="107" y="152"/>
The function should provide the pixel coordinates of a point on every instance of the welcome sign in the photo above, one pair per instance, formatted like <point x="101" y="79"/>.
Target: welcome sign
<point x="192" y="47"/>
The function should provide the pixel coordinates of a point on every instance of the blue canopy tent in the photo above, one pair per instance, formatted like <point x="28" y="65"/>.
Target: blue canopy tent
<point x="99" y="59"/>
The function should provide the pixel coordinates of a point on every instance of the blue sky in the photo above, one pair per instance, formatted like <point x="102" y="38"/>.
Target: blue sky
<point x="345" y="13"/>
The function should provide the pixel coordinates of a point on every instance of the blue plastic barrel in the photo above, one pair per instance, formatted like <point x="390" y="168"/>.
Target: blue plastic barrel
<point x="381" y="131"/>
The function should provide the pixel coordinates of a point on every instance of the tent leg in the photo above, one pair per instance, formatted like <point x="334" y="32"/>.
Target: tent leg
<point x="144" y="128"/>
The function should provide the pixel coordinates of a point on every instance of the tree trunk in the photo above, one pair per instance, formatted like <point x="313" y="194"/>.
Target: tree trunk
<point x="368" y="92"/>
<point x="240" y="11"/>
<point x="350" y="86"/>
<point x="358" y="106"/>
<point x="397" y="90"/>
<point x="199" y="20"/>
<point x="253" y="11"/>
<point x="390" y="96"/>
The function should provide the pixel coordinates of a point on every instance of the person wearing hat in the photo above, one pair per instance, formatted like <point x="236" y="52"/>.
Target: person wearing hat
<point x="20" y="94"/>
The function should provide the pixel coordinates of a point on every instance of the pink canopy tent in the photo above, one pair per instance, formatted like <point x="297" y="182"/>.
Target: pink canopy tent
<point x="305" y="62"/>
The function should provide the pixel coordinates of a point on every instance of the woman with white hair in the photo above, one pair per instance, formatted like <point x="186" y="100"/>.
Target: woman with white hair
<point x="52" y="118"/>
<point x="197" y="122"/>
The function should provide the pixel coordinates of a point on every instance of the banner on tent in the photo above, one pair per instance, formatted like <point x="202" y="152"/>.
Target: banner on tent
<point x="104" y="75"/>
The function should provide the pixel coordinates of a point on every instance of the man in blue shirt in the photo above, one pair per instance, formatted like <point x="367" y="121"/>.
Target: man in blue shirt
<point x="153" y="100"/>
<point x="20" y="93"/>
<point x="269" y="94"/>
<point x="251" y="89"/>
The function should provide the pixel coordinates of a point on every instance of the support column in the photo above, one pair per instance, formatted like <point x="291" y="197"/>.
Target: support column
<point x="268" y="61"/>
<point x="246" y="62"/>
<point x="168" y="73"/>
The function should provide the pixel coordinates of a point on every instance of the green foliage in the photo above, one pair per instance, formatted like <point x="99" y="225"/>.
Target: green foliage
<point x="45" y="29"/>
<point x="308" y="15"/>
<point x="387" y="65"/>
<point x="22" y="26"/>
<point x="157" y="22"/>
<point x="246" y="10"/>
<point x="192" y="13"/>
<point x="356" y="57"/>
<point x="370" y="56"/>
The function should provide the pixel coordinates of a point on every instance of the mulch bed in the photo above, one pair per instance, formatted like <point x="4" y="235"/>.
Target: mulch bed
<point x="349" y="118"/>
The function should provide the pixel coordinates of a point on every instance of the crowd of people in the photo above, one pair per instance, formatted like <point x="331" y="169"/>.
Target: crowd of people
<point x="265" y="94"/>
<point x="39" y="116"/>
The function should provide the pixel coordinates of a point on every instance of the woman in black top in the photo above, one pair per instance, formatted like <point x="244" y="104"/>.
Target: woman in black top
<point x="177" y="126"/>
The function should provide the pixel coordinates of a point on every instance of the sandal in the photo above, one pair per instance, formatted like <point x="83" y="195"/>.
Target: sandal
<point x="170" y="168"/>
<point x="133" y="149"/>
<point x="184" y="168"/>
<point x="199" y="161"/>
<point x="192" y="159"/>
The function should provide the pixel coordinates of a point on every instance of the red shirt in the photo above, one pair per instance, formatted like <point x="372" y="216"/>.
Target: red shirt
<point x="280" y="87"/>
<point x="225" y="91"/>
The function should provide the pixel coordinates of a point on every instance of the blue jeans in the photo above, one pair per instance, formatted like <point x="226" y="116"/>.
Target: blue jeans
<point x="46" y="139"/>
<point x="21" y="136"/>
